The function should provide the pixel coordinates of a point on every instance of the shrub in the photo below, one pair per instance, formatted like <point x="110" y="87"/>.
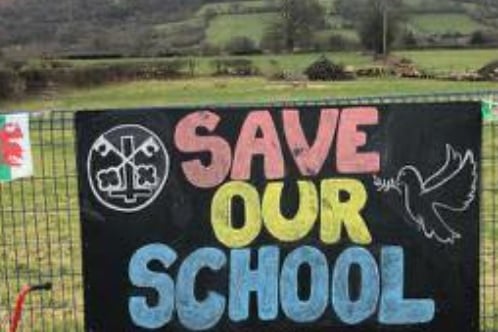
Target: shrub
<point x="452" y="35"/>
<point x="235" y="67"/>
<point x="481" y="37"/>
<point x="10" y="84"/>
<point x="373" y="71"/>
<point x="274" y="71"/>
<point x="208" y="49"/>
<point x="325" y="70"/>
<point x="32" y="78"/>
<point x="337" y="42"/>
<point x="37" y="78"/>
<point x="241" y="46"/>
<point x="478" y="38"/>
<point x="272" y="40"/>
<point x="409" y="39"/>
<point x="490" y="71"/>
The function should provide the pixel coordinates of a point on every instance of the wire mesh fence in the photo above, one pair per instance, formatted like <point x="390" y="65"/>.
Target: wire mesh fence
<point x="39" y="230"/>
<point x="40" y="234"/>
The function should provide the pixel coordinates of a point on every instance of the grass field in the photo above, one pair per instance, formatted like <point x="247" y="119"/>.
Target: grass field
<point x="224" y="8"/>
<point x="348" y="34"/>
<point x="225" y="27"/>
<point x="328" y="4"/>
<point x="444" y="23"/>
<point x="231" y="90"/>
<point x="172" y="28"/>
<point x="451" y="60"/>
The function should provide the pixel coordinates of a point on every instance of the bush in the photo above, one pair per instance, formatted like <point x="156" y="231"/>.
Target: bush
<point x="234" y="67"/>
<point x="409" y="39"/>
<point x="481" y="37"/>
<point x="337" y="42"/>
<point x="275" y="72"/>
<point x="272" y="40"/>
<point x="10" y="84"/>
<point x="241" y="46"/>
<point x="33" y="78"/>
<point x="490" y="71"/>
<point x="325" y="70"/>
<point x="333" y="42"/>
<point x="478" y="38"/>
<point x="37" y="78"/>
<point x="208" y="49"/>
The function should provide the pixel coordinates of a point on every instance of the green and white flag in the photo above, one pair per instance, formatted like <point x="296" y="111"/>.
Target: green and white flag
<point x="15" y="148"/>
<point x="490" y="110"/>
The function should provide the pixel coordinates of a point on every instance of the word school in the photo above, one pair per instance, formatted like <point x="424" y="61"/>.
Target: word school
<point x="276" y="285"/>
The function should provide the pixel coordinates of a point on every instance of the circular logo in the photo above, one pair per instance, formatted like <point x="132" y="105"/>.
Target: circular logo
<point x="127" y="168"/>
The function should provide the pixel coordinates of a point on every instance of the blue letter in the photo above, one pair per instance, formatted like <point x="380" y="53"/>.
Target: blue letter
<point x="141" y="313"/>
<point x="193" y="314"/>
<point x="263" y="281"/>
<point x="310" y="310"/>
<point x="355" y="312"/>
<point x="394" y="309"/>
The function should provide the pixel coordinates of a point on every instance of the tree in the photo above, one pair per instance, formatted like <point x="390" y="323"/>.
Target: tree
<point x="378" y="24"/>
<point x="477" y="38"/>
<point x="297" y="20"/>
<point x="349" y="9"/>
<point x="272" y="39"/>
<point x="241" y="45"/>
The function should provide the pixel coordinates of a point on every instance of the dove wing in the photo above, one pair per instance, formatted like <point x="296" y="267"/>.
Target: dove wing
<point x="456" y="190"/>
<point x="452" y="163"/>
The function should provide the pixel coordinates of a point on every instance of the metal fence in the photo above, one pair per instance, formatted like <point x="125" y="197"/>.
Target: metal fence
<point x="39" y="222"/>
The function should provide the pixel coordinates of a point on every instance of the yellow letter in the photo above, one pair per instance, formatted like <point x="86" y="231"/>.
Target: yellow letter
<point x="295" y="229"/>
<point x="221" y="214"/>
<point x="336" y="212"/>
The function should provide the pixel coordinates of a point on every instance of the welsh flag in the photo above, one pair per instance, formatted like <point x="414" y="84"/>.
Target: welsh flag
<point x="15" y="147"/>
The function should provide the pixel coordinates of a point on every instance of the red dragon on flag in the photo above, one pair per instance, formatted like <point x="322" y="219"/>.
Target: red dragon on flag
<point x="15" y="147"/>
<point x="11" y="152"/>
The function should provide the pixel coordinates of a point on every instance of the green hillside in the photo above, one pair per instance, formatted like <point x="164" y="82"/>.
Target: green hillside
<point x="444" y="23"/>
<point x="451" y="60"/>
<point x="158" y="27"/>
<point x="224" y="27"/>
<point x="250" y="18"/>
<point x="231" y="7"/>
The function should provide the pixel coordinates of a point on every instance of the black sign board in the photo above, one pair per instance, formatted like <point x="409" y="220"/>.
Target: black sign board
<point x="358" y="218"/>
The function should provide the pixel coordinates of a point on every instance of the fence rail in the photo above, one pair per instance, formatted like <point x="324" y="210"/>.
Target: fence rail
<point x="40" y="234"/>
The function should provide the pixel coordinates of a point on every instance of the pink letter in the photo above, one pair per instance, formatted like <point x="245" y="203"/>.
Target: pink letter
<point x="349" y="160"/>
<point x="308" y="159"/>
<point x="187" y="140"/>
<point x="258" y="136"/>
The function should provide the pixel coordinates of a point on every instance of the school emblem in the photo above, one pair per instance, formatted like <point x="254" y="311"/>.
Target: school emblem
<point x="127" y="168"/>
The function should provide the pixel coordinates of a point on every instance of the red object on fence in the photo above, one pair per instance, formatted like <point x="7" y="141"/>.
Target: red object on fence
<point x="17" y="314"/>
<point x="15" y="319"/>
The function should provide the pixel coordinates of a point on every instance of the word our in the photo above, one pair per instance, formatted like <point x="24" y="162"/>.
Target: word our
<point x="335" y="213"/>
